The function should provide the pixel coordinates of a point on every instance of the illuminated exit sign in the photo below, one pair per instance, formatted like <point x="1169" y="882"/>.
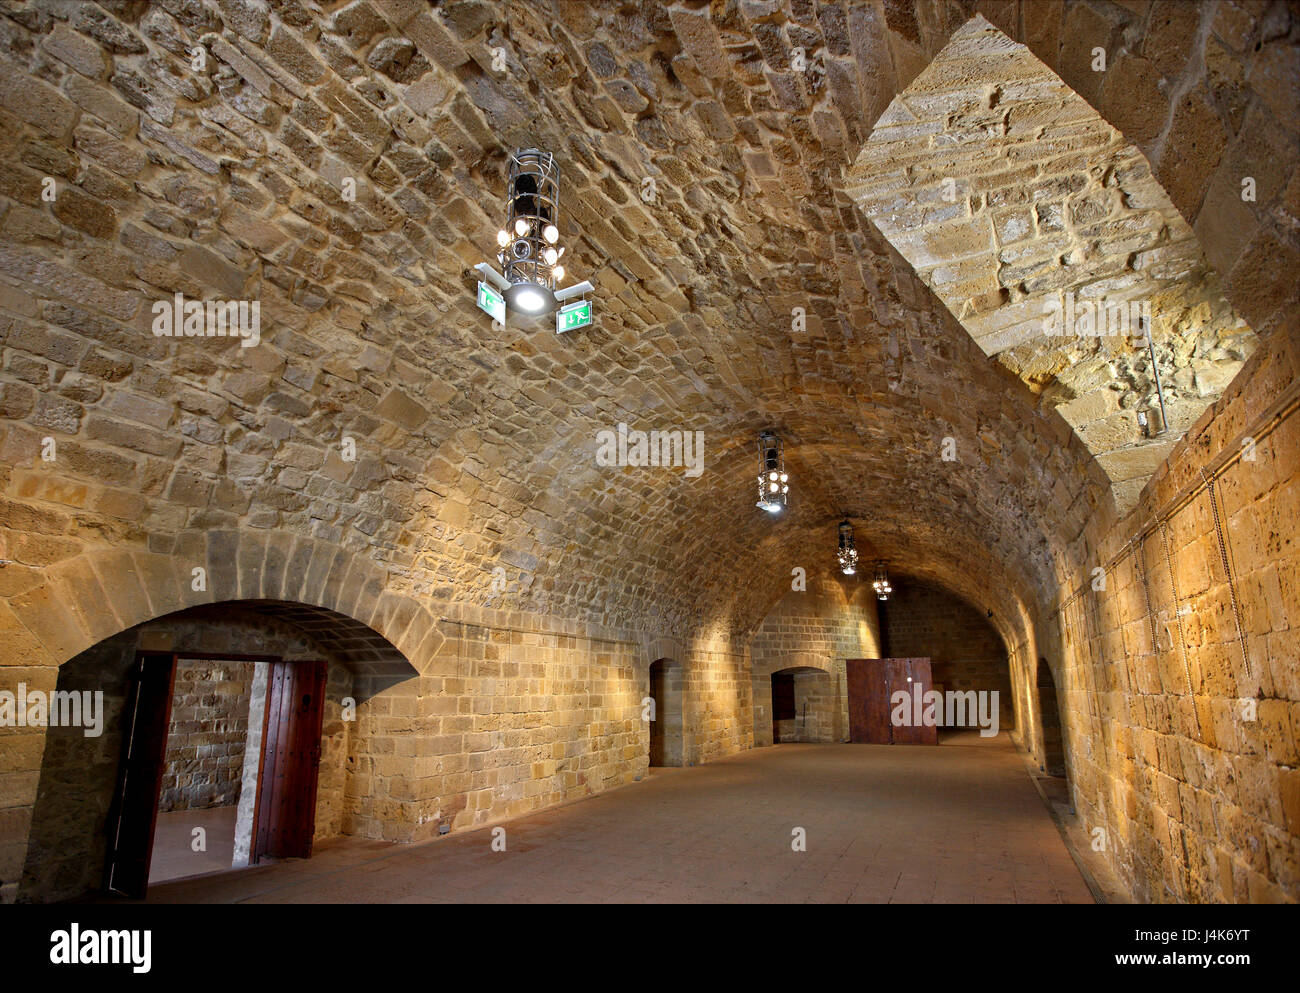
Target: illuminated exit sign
<point x="491" y="302"/>
<point x="573" y="316"/>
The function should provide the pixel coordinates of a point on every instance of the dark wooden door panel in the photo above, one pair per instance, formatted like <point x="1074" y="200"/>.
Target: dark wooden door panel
<point x="913" y="676"/>
<point x="134" y="815"/>
<point x="286" y="804"/>
<point x="871" y="685"/>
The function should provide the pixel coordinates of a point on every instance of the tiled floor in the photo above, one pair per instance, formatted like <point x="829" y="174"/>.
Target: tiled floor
<point x="173" y="853"/>
<point x="958" y="823"/>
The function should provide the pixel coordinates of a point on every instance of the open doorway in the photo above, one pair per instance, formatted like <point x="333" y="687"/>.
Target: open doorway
<point x="1053" y="746"/>
<point x="219" y="767"/>
<point x="806" y="705"/>
<point x="666" y="727"/>
<point x="208" y="736"/>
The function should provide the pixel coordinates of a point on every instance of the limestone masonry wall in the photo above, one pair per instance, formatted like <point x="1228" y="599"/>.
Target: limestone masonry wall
<point x="207" y="734"/>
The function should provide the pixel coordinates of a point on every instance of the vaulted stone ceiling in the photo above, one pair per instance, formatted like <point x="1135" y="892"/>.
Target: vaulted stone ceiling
<point x="477" y="446"/>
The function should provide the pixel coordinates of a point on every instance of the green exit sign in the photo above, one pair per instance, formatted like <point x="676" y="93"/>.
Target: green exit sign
<point x="574" y="316"/>
<point x="491" y="302"/>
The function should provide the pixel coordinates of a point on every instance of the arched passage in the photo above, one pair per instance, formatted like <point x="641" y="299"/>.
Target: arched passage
<point x="806" y="705"/>
<point x="238" y="697"/>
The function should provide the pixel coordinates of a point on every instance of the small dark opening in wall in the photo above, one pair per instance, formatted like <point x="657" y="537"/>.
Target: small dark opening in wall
<point x="783" y="706"/>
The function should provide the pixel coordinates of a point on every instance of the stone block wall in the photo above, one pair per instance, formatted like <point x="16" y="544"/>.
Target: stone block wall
<point x="1013" y="199"/>
<point x="718" y="704"/>
<point x="1181" y="726"/>
<point x="513" y="713"/>
<point x="207" y="734"/>
<point x="965" y="650"/>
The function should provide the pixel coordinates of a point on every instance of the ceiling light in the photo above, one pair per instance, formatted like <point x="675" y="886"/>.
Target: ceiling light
<point x="847" y="555"/>
<point x="772" y="496"/>
<point x="529" y="254"/>
<point x="881" y="583"/>
<point x="529" y="300"/>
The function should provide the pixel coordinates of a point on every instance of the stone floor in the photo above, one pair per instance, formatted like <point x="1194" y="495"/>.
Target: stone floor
<point x="957" y="823"/>
<point x="173" y="852"/>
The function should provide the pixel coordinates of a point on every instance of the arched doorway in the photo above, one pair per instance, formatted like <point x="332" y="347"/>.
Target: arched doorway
<point x="225" y="732"/>
<point x="1053" y="744"/>
<point x="805" y="706"/>
<point x="666" y="746"/>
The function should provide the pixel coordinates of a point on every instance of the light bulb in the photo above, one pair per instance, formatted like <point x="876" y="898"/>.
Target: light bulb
<point x="558" y="272"/>
<point x="772" y="476"/>
<point x="772" y="487"/>
<point x="521" y="227"/>
<point x="551" y="233"/>
<point x="785" y="489"/>
<point x="530" y="300"/>
<point x="503" y="238"/>
<point x="784" y="477"/>
<point x="551" y="256"/>
<point x="561" y="250"/>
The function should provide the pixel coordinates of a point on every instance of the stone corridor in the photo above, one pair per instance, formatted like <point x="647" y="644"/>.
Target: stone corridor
<point x="317" y="319"/>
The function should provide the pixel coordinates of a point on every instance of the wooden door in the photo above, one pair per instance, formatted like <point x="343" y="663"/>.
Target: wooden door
<point x="133" y="816"/>
<point x="913" y="677"/>
<point x="286" y="783"/>
<point x="871" y="685"/>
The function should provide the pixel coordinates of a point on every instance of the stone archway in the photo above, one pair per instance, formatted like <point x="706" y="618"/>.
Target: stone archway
<point x="336" y="596"/>
<point x="814" y="705"/>
<point x="818" y="694"/>
<point x="83" y="600"/>
<point x="79" y="768"/>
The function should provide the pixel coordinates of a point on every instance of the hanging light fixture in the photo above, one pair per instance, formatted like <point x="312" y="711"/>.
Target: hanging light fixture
<point x="529" y="255"/>
<point x="848" y="552"/>
<point x="773" y="480"/>
<point x="881" y="583"/>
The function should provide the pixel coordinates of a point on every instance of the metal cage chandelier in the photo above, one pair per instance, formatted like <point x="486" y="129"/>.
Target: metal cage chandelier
<point x="530" y="253"/>
<point x="881" y="583"/>
<point x="848" y="552"/>
<point x="529" y="250"/>
<point x="773" y="480"/>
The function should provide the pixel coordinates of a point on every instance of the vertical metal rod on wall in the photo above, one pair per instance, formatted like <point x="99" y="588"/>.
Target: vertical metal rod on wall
<point x="1155" y="370"/>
